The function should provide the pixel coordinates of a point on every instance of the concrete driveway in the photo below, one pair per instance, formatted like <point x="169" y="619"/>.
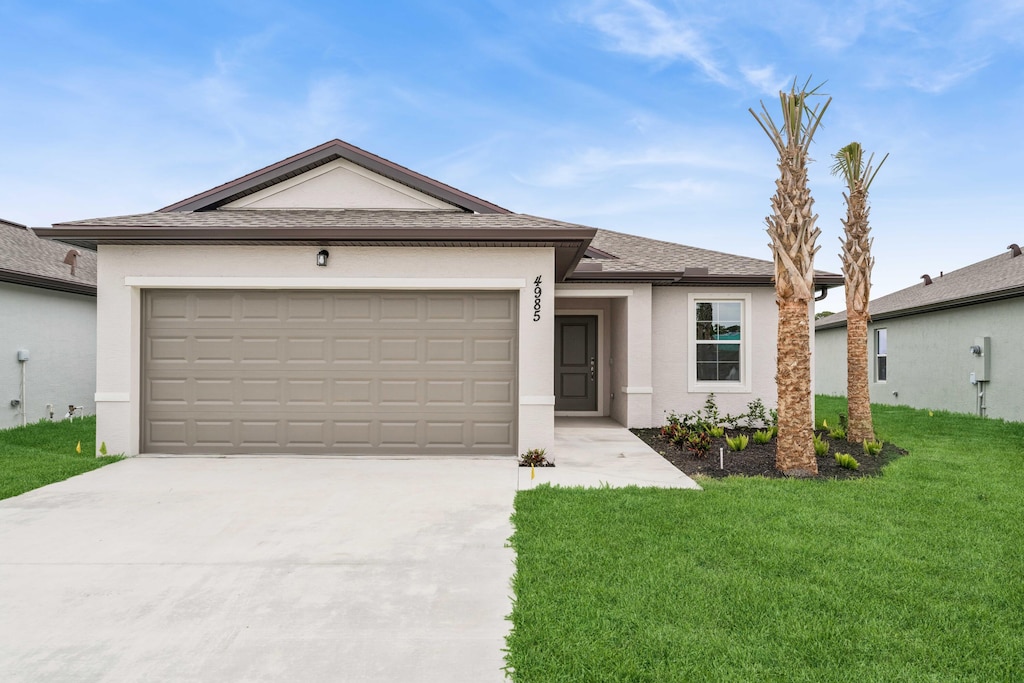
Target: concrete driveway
<point x="260" y="569"/>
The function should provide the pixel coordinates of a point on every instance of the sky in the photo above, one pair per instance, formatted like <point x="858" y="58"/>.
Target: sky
<point x="628" y="115"/>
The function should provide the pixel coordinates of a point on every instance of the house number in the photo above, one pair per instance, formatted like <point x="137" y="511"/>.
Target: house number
<point x="536" y="299"/>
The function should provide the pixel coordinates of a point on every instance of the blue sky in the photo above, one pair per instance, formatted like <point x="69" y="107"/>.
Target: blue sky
<point x="630" y="115"/>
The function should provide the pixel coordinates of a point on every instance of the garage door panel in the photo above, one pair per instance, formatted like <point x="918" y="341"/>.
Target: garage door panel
<point x="329" y="372"/>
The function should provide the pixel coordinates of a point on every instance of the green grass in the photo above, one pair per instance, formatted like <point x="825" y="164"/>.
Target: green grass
<point x="917" y="575"/>
<point x="42" y="453"/>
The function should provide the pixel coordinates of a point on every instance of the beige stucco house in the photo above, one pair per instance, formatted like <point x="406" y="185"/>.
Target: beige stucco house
<point x="338" y="303"/>
<point x="47" y="327"/>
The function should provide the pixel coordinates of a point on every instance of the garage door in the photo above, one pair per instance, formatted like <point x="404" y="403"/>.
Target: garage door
<point x="357" y="373"/>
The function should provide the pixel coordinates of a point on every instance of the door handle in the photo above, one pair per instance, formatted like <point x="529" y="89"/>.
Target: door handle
<point x="593" y="369"/>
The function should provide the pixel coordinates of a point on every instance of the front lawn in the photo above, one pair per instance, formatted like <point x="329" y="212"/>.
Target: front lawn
<point x="42" y="453"/>
<point x="917" y="575"/>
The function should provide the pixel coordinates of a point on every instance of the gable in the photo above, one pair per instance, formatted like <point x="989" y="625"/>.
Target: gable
<point x="340" y="184"/>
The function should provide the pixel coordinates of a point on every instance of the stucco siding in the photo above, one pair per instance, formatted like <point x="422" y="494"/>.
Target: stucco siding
<point x="671" y="352"/>
<point x="125" y="271"/>
<point x="929" y="362"/>
<point x="59" y="332"/>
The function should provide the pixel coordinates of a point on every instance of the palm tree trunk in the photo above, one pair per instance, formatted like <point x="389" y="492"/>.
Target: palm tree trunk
<point x="860" y="426"/>
<point x="795" y="445"/>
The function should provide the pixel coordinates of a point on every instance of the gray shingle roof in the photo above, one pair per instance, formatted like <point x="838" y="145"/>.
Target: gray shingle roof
<point x="635" y="253"/>
<point x="994" y="278"/>
<point x="30" y="260"/>
<point x="325" y="218"/>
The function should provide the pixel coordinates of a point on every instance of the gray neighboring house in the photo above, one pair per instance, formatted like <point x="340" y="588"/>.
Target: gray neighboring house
<point x="48" y="335"/>
<point x="949" y="343"/>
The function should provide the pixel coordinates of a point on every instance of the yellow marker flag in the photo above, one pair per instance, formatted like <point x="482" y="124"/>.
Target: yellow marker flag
<point x="824" y="423"/>
<point x="532" y="473"/>
<point x="78" y="448"/>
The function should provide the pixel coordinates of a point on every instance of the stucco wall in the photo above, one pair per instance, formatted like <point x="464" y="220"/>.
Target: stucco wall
<point x="59" y="331"/>
<point x="124" y="271"/>
<point x="671" y="349"/>
<point x="627" y="391"/>
<point x="929" y="363"/>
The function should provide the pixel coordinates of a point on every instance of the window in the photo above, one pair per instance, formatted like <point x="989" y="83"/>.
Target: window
<point x="881" y="354"/>
<point x="719" y="326"/>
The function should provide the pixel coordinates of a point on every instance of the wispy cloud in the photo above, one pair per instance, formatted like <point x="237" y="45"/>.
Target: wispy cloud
<point x="640" y="28"/>
<point x="764" y="79"/>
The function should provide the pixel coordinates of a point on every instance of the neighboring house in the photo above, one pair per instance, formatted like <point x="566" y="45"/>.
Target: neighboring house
<point x="48" y="328"/>
<point x="338" y="303"/>
<point x="949" y="343"/>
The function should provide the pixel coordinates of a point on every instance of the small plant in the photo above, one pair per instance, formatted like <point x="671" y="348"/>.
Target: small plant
<point x="733" y="421"/>
<point x="716" y="432"/>
<point x="820" y="446"/>
<point x="535" y="457"/>
<point x="763" y="436"/>
<point x="848" y="461"/>
<point x="711" y="409"/>
<point x="756" y="415"/>
<point x="773" y="415"/>
<point x="698" y="443"/>
<point x="837" y="432"/>
<point x="738" y="442"/>
<point x="774" y="429"/>
<point x="872" y="447"/>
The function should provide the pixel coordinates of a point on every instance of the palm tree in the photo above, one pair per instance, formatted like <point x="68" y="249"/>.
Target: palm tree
<point x="793" y="233"/>
<point x="857" y="264"/>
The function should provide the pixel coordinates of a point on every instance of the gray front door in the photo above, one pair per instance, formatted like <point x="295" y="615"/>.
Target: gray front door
<point x="576" y="362"/>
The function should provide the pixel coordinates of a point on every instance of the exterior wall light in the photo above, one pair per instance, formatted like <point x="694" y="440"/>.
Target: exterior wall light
<point x="321" y="257"/>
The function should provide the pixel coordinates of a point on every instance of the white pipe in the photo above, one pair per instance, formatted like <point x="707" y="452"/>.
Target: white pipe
<point x="23" y="404"/>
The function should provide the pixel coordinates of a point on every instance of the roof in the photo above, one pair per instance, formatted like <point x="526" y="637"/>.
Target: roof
<point x="206" y="219"/>
<point x="999" y="277"/>
<point x="323" y="154"/>
<point x="26" y="259"/>
<point x="327" y="227"/>
<point x="635" y="257"/>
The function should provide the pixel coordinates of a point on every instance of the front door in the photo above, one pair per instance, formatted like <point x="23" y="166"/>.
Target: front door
<point x="576" y="362"/>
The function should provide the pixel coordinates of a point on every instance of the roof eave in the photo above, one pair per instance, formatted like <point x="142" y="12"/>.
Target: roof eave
<point x="42" y="282"/>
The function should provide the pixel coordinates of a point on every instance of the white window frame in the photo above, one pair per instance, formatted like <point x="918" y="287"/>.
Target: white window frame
<point x="881" y="380"/>
<point x="746" y="344"/>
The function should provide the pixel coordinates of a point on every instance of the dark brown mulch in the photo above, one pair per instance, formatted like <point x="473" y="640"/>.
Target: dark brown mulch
<point x="758" y="460"/>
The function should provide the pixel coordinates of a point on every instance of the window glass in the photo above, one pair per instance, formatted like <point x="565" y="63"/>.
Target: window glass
<point x="881" y="354"/>
<point x="719" y="330"/>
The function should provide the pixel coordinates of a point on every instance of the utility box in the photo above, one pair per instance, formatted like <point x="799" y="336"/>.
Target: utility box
<point x="22" y="355"/>
<point x="983" y="362"/>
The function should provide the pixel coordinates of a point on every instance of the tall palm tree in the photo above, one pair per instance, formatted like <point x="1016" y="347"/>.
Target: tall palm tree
<point x="793" y="234"/>
<point x="857" y="264"/>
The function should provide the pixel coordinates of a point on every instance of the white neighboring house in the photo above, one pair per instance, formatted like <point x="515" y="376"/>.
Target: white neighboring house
<point x="338" y="303"/>
<point x="48" y="333"/>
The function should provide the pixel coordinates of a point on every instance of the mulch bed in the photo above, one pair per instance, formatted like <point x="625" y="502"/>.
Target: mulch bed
<point x="758" y="460"/>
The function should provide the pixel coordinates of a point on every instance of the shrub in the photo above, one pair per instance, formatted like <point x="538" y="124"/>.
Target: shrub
<point x="738" y="442"/>
<point x="837" y="432"/>
<point x="534" y="458"/>
<point x="756" y="415"/>
<point x="698" y="443"/>
<point x="763" y="436"/>
<point x="848" y="461"/>
<point x="820" y="446"/>
<point x="774" y="429"/>
<point x="872" y="447"/>
<point x="716" y="431"/>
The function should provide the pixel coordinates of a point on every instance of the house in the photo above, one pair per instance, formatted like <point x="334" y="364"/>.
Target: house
<point x="338" y="303"/>
<point x="945" y="344"/>
<point x="48" y="334"/>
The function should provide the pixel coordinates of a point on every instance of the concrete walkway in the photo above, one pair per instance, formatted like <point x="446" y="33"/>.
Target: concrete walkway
<point x="597" y="451"/>
<point x="281" y="569"/>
